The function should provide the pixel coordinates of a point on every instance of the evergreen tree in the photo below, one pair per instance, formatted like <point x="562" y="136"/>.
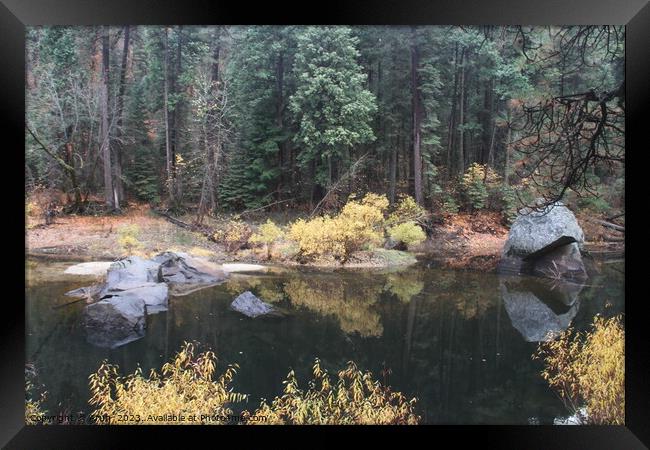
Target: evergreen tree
<point x="333" y="109"/>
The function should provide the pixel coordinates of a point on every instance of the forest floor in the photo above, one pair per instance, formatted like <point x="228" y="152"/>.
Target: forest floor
<point x="461" y="241"/>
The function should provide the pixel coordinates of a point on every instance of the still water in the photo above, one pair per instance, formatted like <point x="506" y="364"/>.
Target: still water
<point x="461" y="342"/>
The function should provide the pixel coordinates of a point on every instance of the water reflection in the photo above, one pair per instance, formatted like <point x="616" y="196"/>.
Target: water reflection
<point x="459" y="341"/>
<point x="540" y="308"/>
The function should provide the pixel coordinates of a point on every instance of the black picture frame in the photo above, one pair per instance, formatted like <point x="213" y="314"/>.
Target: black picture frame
<point x="16" y="14"/>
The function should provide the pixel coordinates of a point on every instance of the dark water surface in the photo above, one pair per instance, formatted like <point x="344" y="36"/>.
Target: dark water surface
<point x="461" y="342"/>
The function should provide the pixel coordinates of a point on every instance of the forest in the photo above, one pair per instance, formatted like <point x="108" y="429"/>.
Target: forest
<point x="206" y="120"/>
<point x="406" y="208"/>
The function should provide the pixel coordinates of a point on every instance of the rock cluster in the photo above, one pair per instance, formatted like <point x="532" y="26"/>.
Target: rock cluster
<point x="135" y="287"/>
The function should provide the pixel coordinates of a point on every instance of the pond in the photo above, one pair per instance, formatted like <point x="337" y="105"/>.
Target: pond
<point x="459" y="341"/>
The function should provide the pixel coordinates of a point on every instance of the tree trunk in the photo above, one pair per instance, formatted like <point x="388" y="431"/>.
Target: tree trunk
<point x="452" y="114"/>
<point x="487" y="128"/>
<point x="282" y="145"/>
<point x="506" y="171"/>
<point x="109" y="195"/>
<point x="460" y="161"/>
<point x="176" y="115"/>
<point x="168" y="149"/>
<point x="119" y="185"/>
<point x="417" y="121"/>
<point x="393" y="174"/>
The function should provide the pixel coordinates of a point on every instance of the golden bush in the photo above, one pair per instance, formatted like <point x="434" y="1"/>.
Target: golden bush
<point x="588" y="369"/>
<point x="355" y="399"/>
<point x="268" y="234"/>
<point x="234" y="235"/>
<point x="358" y="225"/>
<point x="127" y="238"/>
<point x="184" y="387"/>
<point x="33" y="406"/>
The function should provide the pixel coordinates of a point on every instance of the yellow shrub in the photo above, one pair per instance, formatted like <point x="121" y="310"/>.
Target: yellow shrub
<point x="588" y="369"/>
<point x="33" y="407"/>
<point x="477" y="173"/>
<point x="267" y="235"/>
<point x="408" y="233"/>
<point x="234" y="235"/>
<point x="127" y="238"/>
<point x="185" y="388"/>
<point x="356" y="399"/>
<point x="359" y="224"/>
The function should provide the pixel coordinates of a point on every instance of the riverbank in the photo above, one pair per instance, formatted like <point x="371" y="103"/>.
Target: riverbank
<point x="459" y="241"/>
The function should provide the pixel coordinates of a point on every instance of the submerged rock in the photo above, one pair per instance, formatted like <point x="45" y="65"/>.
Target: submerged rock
<point x="545" y="243"/>
<point x="115" y="321"/>
<point x="251" y="306"/>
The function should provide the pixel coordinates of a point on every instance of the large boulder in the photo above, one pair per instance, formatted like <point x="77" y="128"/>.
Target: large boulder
<point x="133" y="270"/>
<point x="539" y="309"/>
<point x="154" y="295"/>
<point x="115" y="321"/>
<point x="251" y="306"/>
<point x="546" y="243"/>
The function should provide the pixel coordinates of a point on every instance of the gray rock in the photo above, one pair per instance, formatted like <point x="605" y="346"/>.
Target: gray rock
<point x="535" y="230"/>
<point x="539" y="309"/>
<point x="154" y="295"/>
<point x="88" y="292"/>
<point x="579" y="418"/>
<point x="251" y="306"/>
<point x="180" y="268"/>
<point x="132" y="269"/>
<point x="136" y="287"/>
<point x="545" y="243"/>
<point x="115" y="321"/>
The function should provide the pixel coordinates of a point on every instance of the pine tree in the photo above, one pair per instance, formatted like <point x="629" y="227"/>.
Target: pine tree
<point x="333" y="109"/>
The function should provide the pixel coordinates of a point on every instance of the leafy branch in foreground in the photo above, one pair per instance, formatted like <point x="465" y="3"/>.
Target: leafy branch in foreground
<point x="588" y="369"/>
<point x="185" y="386"/>
<point x="355" y="399"/>
<point x="186" y="389"/>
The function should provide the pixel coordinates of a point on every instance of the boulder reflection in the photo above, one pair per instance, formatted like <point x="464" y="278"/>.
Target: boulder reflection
<point x="540" y="308"/>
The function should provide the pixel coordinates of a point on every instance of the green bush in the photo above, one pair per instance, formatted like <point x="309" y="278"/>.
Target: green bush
<point x="450" y="206"/>
<point x="477" y="183"/>
<point x="509" y="204"/>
